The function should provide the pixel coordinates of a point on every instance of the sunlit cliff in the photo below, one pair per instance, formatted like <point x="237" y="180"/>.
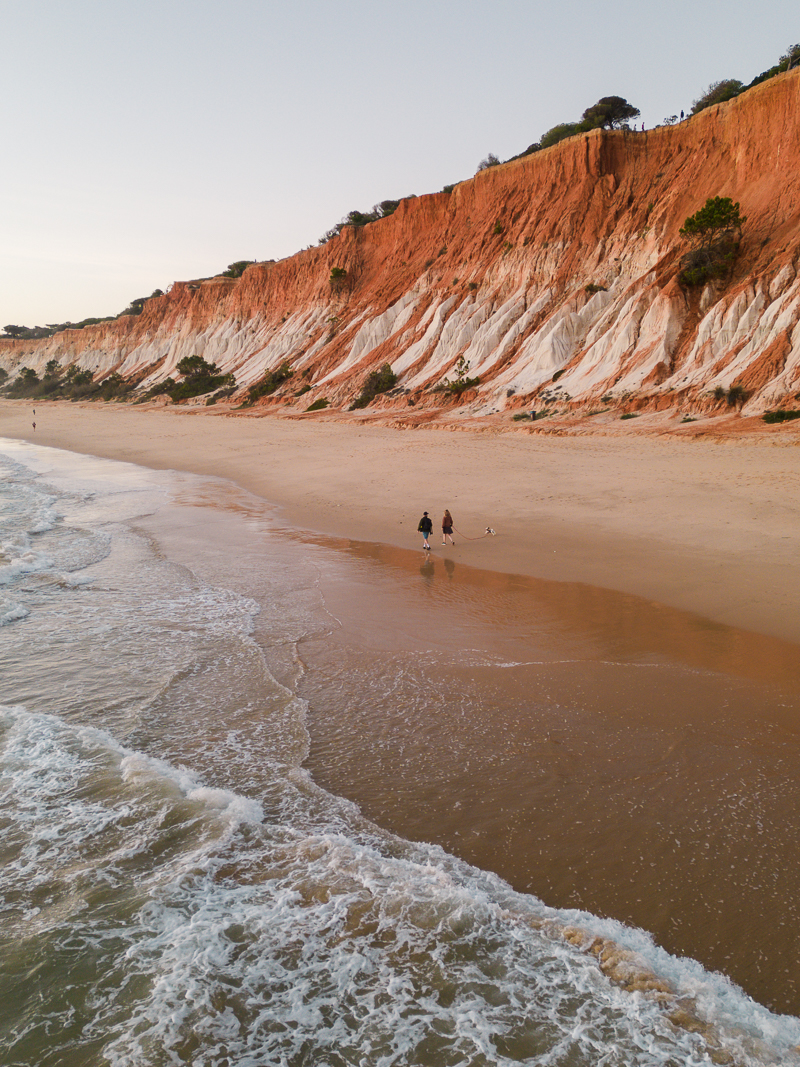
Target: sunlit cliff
<point x="563" y="261"/>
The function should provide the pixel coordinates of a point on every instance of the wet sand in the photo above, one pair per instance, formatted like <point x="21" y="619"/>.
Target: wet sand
<point x="594" y="748"/>
<point x="699" y="525"/>
<point x="597" y="750"/>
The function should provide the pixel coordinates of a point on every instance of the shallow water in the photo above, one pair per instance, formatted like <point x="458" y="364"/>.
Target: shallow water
<point x="190" y="694"/>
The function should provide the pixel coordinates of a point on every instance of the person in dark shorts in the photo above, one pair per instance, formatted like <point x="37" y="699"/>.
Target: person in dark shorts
<point x="447" y="527"/>
<point x="425" y="527"/>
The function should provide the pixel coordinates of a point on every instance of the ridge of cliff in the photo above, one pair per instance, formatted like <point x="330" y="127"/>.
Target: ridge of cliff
<point x="554" y="276"/>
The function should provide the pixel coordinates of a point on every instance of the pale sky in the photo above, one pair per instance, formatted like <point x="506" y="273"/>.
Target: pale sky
<point x="148" y="142"/>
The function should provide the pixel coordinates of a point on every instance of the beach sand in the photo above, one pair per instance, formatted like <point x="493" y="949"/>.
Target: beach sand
<point x="600" y="703"/>
<point x="706" y="526"/>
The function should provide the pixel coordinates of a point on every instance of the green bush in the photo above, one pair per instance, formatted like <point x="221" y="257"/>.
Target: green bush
<point x="221" y="394"/>
<point x="490" y="161"/>
<point x="630" y="415"/>
<point x="235" y="270"/>
<point x="269" y="383"/>
<point x="200" y="377"/>
<point x="717" y="93"/>
<point x="318" y="405"/>
<point x="737" y="394"/>
<point x="363" y="218"/>
<point x="338" y="279"/>
<point x="781" y="416"/>
<point x="559" y="133"/>
<point x="377" y="382"/>
<point x="159" y="389"/>
<point x="461" y="382"/>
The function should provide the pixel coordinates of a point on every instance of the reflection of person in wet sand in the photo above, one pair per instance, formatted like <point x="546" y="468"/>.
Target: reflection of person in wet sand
<point x="427" y="569"/>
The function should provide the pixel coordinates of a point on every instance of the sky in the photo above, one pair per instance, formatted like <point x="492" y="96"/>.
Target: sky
<point x="147" y="142"/>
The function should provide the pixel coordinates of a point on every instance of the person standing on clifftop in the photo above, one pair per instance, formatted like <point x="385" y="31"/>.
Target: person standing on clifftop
<point x="425" y="527"/>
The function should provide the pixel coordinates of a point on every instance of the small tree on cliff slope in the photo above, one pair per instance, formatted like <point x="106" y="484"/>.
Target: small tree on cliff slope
<point x="609" y="111"/>
<point x="715" y="231"/>
<point x="717" y="217"/>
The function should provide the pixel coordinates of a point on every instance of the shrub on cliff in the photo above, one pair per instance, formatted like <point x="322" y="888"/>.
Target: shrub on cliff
<point x="783" y="415"/>
<point x="200" y="377"/>
<point x="338" y="279"/>
<point x="358" y="219"/>
<point x="790" y="59"/>
<point x="377" y="382"/>
<point x="136" y="307"/>
<point x="559" y="133"/>
<point x="269" y="383"/>
<point x="461" y="382"/>
<point x="490" y="161"/>
<point x="235" y="270"/>
<point x="717" y="93"/>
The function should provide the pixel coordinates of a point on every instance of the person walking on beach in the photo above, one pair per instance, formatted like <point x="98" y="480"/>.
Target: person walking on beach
<point x="425" y="527"/>
<point x="447" y="527"/>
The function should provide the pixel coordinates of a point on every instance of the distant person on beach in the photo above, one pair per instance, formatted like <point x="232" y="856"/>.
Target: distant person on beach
<point x="447" y="527"/>
<point x="681" y="116"/>
<point x="34" y="426"/>
<point x="425" y="527"/>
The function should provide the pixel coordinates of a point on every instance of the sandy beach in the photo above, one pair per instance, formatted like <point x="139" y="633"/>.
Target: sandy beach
<point x="708" y="526"/>
<point x="599" y="703"/>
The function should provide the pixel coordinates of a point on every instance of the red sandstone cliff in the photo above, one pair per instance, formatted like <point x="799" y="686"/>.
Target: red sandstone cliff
<point x="497" y="271"/>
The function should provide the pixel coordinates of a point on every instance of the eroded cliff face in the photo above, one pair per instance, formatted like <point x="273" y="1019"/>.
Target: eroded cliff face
<point x="564" y="261"/>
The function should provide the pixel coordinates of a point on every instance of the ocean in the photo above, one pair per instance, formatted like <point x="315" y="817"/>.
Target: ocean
<point x="272" y="798"/>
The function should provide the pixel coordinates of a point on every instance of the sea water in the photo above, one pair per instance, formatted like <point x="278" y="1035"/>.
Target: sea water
<point x="177" y="888"/>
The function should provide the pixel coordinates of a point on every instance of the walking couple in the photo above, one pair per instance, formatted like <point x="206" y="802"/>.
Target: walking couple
<point x="426" y="528"/>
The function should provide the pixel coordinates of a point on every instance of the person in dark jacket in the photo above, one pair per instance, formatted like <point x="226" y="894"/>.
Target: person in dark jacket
<point x="425" y="527"/>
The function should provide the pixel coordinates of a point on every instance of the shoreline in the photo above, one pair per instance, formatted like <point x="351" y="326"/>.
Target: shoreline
<point x="704" y="526"/>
